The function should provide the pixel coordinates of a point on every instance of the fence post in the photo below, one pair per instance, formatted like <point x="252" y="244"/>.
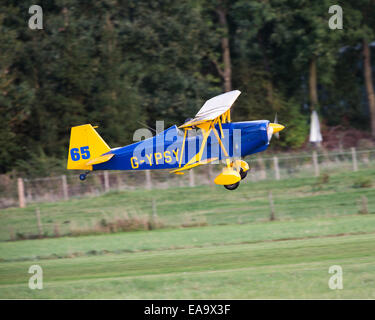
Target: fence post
<point x="148" y="180"/>
<point x="106" y="181"/>
<point x="39" y="222"/>
<point x="21" y="193"/>
<point x="316" y="164"/>
<point x="191" y="178"/>
<point x="354" y="159"/>
<point x="263" y="174"/>
<point x="65" y="187"/>
<point x="276" y="165"/>
<point x="272" y="208"/>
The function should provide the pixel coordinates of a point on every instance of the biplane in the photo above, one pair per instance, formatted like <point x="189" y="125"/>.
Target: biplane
<point x="210" y="137"/>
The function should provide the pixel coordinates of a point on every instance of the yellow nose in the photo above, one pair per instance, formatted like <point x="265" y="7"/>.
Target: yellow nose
<point x="276" y="127"/>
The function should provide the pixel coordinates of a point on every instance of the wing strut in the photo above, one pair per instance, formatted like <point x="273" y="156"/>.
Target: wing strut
<point x="220" y="142"/>
<point x="183" y="147"/>
<point x="206" y="128"/>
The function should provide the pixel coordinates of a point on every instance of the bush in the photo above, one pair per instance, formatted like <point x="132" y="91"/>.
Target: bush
<point x="363" y="182"/>
<point x="119" y="224"/>
<point x="189" y="222"/>
<point x="363" y="205"/>
<point x="321" y="180"/>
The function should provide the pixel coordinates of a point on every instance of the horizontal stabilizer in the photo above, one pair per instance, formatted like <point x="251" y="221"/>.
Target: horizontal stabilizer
<point x="100" y="159"/>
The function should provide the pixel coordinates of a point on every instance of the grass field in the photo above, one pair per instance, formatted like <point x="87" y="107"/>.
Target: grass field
<point x="284" y="269"/>
<point x="172" y="239"/>
<point x="299" y="198"/>
<point x="240" y="254"/>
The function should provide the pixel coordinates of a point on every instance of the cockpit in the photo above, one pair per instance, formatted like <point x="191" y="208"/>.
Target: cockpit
<point x="190" y="133"/>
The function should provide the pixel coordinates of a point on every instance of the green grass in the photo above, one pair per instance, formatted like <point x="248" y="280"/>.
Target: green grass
<point x="284" y="269"/>
<point x="295" y="198"/>
<point x="184" y="238"/>
<point x="238" y="255"/>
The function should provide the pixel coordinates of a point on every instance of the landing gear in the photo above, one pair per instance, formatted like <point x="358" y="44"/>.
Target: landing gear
<point x="232" y="186"/>
<point x="243" y="174"/>
<point x="83" y="176"/>
<point x="232" y="174"/>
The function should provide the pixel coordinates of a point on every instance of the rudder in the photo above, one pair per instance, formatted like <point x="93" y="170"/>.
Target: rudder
<point x="85" y="146"/>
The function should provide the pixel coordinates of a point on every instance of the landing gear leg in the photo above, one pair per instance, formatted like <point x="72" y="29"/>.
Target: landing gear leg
<point x="241" y="166"/>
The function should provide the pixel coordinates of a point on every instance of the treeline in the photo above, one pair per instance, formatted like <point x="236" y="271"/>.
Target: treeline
<point x="121" y="64"/>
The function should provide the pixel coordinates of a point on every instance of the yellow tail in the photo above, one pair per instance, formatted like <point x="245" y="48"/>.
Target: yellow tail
<point x="86" y="148"/>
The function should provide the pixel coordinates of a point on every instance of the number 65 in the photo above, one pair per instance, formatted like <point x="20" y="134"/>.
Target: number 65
<point x="75" y="153"/>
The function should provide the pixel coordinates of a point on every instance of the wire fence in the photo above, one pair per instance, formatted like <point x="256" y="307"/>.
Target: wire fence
<point x="22" y="191"/>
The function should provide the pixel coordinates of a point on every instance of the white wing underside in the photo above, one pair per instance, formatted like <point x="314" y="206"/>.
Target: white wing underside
<point x="215" y="107"/>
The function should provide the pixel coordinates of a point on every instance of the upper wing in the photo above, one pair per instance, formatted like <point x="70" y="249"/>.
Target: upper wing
<point x="214" y="108"/>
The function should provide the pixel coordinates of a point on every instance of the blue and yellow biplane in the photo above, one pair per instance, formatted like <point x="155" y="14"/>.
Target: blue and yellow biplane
<point x="210" y="137"/>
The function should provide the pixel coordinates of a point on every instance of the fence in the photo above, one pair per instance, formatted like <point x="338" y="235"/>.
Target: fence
<point x="20" y="192"/>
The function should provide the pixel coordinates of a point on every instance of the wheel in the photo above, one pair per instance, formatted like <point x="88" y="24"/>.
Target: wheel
<point x="82" y="176"/>
<point x="243" y="174"/>
<point x="232" y="186"/>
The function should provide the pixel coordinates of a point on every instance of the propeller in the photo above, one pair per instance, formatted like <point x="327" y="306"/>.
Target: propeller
<point x="274" y="128"/>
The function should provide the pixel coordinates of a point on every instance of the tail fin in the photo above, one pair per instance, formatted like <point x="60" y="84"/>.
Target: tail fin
<point x="85" y="148"/>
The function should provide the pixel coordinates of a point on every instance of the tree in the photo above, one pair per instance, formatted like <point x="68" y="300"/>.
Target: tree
<point x="260" y="60"/>
<point x="367" y="70"/>
<point x="217" y="29"/>
<point x="315" y="45"/>
<point x="167" y="43"/>
<point x="360" y="24"/>
<point x="119" y="64"/>
<point x="367" y="25"/>
<point x="16" y="95"/>
<point x="226" y="72"/>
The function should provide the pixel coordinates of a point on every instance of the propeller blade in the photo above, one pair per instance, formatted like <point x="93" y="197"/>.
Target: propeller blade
<point x="277" y="133"/>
